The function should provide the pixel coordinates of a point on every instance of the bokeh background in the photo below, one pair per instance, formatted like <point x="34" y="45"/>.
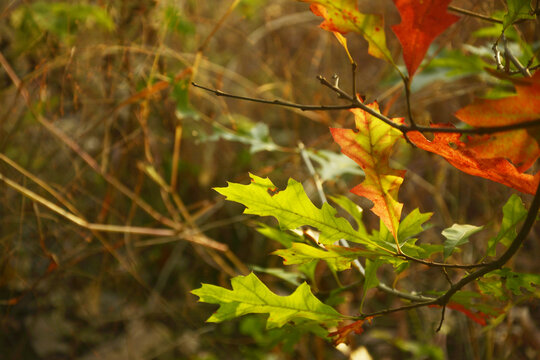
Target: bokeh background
<point x="97" y="116"/>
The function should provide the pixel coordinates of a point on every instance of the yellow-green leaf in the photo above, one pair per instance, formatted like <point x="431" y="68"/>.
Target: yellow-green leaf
<point x="250" y="296"/>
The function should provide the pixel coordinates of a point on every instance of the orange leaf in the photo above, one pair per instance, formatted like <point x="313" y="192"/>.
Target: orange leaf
<point x="449" y="146"/>
<point x="344" y="331"/>
<point x="518" y="146"/>
<point x="523" y="106"/>
<point x="343" y="17"/>
<point x="421" y="23"/>
<point x="371" y="147"/>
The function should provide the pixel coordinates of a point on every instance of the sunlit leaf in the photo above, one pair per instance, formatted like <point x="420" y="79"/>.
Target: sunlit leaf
<point x="351" y="208"/>
<point x="338" y="258"/>
<point x="292" y="208"/>
<point x="250" y="296"/>
<point x="411" y="225"/>
<point x="342" y="16"/>
<point x="370" y="147"/>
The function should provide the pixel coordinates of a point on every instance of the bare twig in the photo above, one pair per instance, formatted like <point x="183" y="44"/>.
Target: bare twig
<point x="474" y="14"/>
<point x="357" y="104"/>
<point x="275" y="102"/>
<point x="522" y="69"/>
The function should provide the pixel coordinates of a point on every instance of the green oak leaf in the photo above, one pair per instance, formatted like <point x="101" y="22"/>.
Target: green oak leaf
<point x="284" y="238"/>
<point x="457" y="235"/>
<point x="515" y="281"/>
<point x="517" y="10"/>
<point x="338" y="258"/>
<point x="250" y="296"/>
<point x="370" y="278"/>
<point x="351" y="208"/>
<point x="513" y="213"/>
<point x="411" y="225"/>
<point x="292" y="208"/>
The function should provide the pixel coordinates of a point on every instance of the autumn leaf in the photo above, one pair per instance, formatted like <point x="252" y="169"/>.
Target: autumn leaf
<point x="449" y="146"/>
<point x="343" y="331"/>
<point x="518" y="146"/>
<point x="343" y="17"/>
<point x="421" y="23"/>
<point x="371" y="147"/>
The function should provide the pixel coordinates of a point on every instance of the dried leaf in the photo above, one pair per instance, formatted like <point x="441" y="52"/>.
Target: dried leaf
<point x="343" y="331"/>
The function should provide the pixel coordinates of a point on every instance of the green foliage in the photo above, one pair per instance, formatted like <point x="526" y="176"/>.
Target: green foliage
<point x="292" y="208"/>
<point x="504" y="282"/>
<point x="338" y="258"/>
<point x="61" y="19"/>
<point x="517" y="10"/>
<point x="513" y="213"/>
<point x="250" y="296"/>
<point x="457" y="235"/>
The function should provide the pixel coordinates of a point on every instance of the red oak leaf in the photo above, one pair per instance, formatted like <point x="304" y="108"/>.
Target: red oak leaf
<point x="371" y="147"/>
<point x="456" y="152"/>
<point x="421" y="23"/>
<point x="518" y="146"/>
<point x="343" y="331"/>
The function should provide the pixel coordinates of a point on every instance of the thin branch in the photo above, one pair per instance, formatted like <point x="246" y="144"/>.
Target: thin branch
<point x="357" y="104"/>
<point x="274" y="102"/>
<point x="474" y="14"/>
<point x="442" y="318"/>
<point x="522" y="69"/>
<point x="442" y="265"/>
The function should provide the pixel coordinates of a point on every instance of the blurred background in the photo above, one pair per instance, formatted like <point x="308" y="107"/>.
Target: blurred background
<point x="98" y="121"/>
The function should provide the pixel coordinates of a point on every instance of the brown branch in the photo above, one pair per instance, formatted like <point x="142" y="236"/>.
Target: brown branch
<point x="357" y="104"/>
<point x="274" y="102"/>
<point x="442" y="265"/>
<point x="474" y="14"/>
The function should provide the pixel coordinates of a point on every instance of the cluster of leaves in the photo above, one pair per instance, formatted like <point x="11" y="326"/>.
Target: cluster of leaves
<point x="501" y="146"/>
